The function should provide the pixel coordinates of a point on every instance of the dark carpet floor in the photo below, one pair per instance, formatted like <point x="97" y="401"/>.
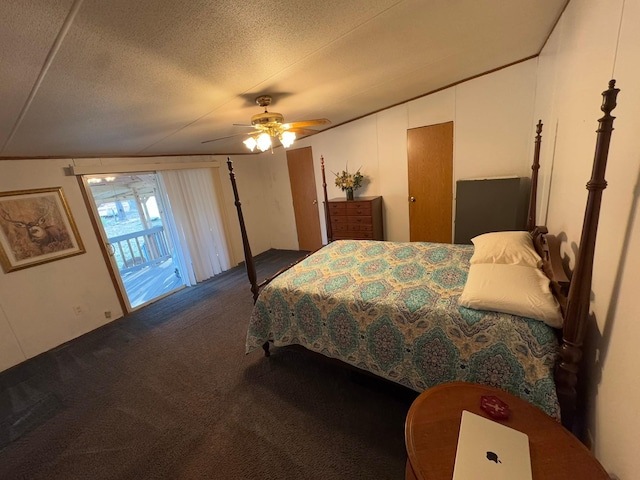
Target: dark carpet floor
<point x="168" y="393"/>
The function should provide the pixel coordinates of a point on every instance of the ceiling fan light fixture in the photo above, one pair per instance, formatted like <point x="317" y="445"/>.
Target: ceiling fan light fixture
<point x="264" y="142"/>
<point x="250" y="143"/>
<point x="287" y="138"/>
<point x="269" y="125"/>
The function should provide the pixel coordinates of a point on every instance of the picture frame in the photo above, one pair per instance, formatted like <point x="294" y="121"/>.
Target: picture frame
<point x="36" y="227"/>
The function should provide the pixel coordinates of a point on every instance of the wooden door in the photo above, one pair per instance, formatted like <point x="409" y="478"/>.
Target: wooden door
<point x="305" y="201"/>
<point x="430" y="156"/>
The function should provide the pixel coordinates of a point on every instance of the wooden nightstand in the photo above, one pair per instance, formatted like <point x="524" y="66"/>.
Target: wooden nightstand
<point x="433" y="425"/>
<point x="359" y="219"/>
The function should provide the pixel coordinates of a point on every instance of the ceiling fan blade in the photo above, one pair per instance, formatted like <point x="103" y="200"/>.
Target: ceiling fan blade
<point x="309" y="123"/>
<point x="223" y="138"/>
<point x="241" y="125"/>
<point x="303" y="131"/>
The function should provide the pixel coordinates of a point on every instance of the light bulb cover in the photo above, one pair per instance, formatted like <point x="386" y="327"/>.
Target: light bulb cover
<point x="250" y="143"/>
<point x="287" y="138"/>
<point x="264" y="142"/>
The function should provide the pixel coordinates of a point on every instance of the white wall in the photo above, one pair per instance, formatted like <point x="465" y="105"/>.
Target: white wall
<point x="254" y="202"/>
<point x="267" y="205"/>
<point x="594" y="42"/>
<point x="493" y="136"/>
<point x="493" y="123"/>
<point x="37" y="303"/>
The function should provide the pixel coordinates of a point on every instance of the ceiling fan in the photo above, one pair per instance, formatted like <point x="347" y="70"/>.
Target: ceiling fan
<point x="268" y="125"/>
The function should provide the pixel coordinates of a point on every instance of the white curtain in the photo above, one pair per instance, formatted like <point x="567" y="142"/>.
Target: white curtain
<point x="200" y="245"/>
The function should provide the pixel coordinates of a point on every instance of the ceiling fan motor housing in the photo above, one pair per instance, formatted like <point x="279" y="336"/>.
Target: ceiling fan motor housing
<point x="267" y="118"/>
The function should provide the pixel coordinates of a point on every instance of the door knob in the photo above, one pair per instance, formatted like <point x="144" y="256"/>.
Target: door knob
<point x="412" y="199"/>
<point x="315" y="202"/>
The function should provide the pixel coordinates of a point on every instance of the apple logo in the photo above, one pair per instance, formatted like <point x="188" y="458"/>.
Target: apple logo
<point x="493" y="457"/>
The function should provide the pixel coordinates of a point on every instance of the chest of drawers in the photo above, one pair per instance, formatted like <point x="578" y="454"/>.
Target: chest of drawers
<point x="359" y="219"/>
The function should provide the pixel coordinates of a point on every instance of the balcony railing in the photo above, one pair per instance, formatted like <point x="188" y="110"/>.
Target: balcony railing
<point x="137" y="250"/>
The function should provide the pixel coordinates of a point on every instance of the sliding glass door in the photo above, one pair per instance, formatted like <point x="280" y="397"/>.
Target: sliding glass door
<point x="133" y="226"/>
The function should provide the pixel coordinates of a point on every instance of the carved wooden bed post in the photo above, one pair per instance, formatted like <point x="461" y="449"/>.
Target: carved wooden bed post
<point x="531" y="219"/>
<point x="577" y="312"/>
<point x="327" y="217"/>
<point x="248" y="257"/>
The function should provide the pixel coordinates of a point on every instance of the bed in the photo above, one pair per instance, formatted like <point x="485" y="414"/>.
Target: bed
<point x="402" y="311"/>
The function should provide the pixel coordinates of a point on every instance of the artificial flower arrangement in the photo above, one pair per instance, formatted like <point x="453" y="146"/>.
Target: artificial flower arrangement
<point x="349" y="182"/>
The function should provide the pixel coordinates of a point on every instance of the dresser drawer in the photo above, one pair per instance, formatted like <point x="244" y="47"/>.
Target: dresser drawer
<point x="340" y="220"/>
<point x="359" y="228"/>
<point x="337" y="209"/>
<point x="338" y="227"/>
<point x="359" y="208"/>
<point x="359" y="219"/>
<point x="363" y="220"/>
<point x="352" y="235"/>
<point x="362" y="235"/>
<point x="344" y="236"/>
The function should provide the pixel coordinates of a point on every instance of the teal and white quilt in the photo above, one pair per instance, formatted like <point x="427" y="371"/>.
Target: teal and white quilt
<point x="392" y="309"/>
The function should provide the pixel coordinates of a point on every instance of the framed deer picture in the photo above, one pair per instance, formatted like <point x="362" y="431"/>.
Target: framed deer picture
<point x="36" y="226"/>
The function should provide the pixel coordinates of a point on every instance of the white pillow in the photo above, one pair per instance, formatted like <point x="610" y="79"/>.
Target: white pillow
<point x="513" y="289"/>
<point x="510" y="248"/>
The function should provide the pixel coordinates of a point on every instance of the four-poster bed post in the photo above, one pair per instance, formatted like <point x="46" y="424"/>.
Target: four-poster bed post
<point x="327" y="219"/>
<point x="533" y="190"/>
<point x="248" y="256"/>
<point x="577" y="311"/>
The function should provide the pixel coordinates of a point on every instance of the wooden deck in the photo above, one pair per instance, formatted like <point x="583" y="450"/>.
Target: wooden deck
<point x="151" y="282"/>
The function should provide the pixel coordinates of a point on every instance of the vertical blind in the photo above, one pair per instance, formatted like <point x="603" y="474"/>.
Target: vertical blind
<point x="199" y="240"/>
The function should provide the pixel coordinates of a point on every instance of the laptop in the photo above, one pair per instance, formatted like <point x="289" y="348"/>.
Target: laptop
<point x="490" y="450"/>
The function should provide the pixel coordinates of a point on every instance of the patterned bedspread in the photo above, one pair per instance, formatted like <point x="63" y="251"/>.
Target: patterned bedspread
<point x="392" y="309"/>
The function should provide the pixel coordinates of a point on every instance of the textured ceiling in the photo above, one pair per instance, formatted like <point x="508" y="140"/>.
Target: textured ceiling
<point x="154" y="77"/>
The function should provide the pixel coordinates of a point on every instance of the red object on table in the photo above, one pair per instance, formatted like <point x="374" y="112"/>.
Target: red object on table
<point x="495" y="407"/>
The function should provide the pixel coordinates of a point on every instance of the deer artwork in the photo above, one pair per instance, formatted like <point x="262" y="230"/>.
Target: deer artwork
<point x="41" y="235"/>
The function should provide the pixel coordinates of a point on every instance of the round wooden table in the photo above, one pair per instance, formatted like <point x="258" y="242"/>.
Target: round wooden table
<point x="433" y="424"/>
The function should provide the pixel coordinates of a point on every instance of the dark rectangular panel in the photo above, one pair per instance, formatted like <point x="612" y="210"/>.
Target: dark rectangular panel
<point x="489" y="205"/>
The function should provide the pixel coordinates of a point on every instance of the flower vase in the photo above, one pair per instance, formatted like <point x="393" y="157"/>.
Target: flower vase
<point x="349" y="193"/>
